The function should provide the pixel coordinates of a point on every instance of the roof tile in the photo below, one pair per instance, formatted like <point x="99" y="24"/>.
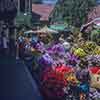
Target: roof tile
<point x="43" y="10"/>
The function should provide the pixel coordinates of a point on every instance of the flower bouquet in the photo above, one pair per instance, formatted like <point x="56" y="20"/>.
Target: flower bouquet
<point x="65" y="71"/>
<point x="89" y="47"/>
<point x="97" y="50"/>
<point x="94" y="60"/>
<point x="46" y="60"/>
<point x="95" y="77"/>
<point x="58" y="49"/>
<point x="53" y="84"/>
<point x="37" y="49"/>
<point x="72" y="59"/>
<point x="79" y="52"/>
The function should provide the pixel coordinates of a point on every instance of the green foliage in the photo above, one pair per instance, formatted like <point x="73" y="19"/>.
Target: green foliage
<point x="95" y="36"/>
<point x="22" y="19"/>
<point x="73" y="11"/>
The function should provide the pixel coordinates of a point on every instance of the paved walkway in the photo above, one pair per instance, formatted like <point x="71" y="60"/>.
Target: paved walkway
<point x="16" y="82"/>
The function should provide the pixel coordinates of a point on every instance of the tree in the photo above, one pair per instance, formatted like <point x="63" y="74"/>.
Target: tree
<point x="73" y="11"/>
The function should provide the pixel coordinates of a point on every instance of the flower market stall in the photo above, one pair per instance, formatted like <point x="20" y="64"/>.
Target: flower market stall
<point x="65" y="70"/>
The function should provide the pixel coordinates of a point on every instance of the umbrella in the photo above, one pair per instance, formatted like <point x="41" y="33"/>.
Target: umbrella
<point x="28" y="32"/>
<point x="46" y="30"/>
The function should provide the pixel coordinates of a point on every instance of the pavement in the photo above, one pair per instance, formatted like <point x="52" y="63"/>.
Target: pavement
<point x="16" y="82"/>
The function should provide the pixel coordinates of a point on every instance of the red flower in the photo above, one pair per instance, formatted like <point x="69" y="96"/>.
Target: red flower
<point x="53" y="83"/>
<point x="94" y="70"/>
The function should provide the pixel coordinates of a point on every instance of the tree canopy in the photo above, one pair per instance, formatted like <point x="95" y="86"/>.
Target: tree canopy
<point x="73" y="11"/>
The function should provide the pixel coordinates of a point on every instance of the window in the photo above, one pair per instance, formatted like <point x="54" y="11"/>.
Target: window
<point x="22" y="5"/>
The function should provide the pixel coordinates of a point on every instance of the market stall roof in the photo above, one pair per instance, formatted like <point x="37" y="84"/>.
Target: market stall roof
<point x="46" y="30"/>
<point x="43" y="10"/>
<point x="58" y="27"/>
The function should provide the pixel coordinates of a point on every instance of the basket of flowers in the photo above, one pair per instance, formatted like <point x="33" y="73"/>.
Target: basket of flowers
<point x="53" y="84"/>
<point x="66" y="71"/>
<point x="95" y="77"/>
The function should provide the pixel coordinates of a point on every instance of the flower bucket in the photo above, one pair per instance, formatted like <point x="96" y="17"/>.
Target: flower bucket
<point x="53" y="84"/>
<point x="95" y="78"/>
<point x="67" y="73"/>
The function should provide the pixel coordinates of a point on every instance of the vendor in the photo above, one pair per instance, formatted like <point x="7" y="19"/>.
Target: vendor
<point x="61" y="38"/>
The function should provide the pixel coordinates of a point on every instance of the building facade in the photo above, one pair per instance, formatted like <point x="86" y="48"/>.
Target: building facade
<point x="24" y="6"/>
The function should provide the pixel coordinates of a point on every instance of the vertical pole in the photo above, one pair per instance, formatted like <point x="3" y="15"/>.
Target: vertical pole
<point x="26" y="6"/>
<point x="18" y="7"/>
<point x="30" y="6"/>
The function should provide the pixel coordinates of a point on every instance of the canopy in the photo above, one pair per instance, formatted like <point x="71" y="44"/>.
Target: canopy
<point x="28" y="32"/>
<point x="46" y="30"/>
<point x="59" y="27"/>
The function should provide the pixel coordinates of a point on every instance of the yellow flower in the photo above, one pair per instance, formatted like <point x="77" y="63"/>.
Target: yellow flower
<point x="89" y="47"/>
<point x="97" y="50"/>
<point x="80" y="52"/>
<point x="72" y="78"/>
